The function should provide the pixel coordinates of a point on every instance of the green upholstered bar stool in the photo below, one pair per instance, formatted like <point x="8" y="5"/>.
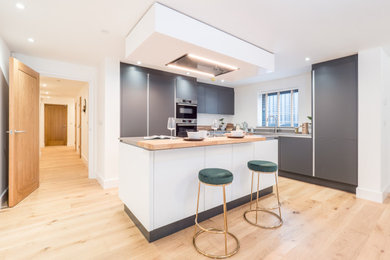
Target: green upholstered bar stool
<point x="263" y="167"/>
<point x="215" y="177"/>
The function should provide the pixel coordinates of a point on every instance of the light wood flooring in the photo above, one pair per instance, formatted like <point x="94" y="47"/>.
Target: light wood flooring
<point x="72" y="217"/>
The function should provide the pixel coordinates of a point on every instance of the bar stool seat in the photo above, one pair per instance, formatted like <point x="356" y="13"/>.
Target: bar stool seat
<point x="215" y="177"/>
<point x="262" y="166"/>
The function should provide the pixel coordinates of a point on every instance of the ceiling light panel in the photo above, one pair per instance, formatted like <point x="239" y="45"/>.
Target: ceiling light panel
<point x="202" y="65"/>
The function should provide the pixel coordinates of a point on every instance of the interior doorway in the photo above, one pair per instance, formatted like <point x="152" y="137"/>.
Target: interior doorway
<point x="64" y="114"/>
<point x="56" y="124"/>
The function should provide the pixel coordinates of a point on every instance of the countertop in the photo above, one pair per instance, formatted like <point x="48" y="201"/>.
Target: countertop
<point x="165" y="144"/>
<point x="275" y="135"/>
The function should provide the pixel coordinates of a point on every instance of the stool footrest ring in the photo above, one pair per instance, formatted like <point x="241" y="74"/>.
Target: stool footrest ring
<point x="272" y="208"/>
<point x="229" y="254"/>
<point x="280" y="223"/>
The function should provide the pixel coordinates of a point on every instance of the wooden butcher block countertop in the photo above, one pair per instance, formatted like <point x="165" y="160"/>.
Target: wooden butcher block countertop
<point x="166" y="144"/>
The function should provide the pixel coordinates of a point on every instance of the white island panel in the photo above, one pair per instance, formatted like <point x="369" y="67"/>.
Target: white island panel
<point x="176" y="184"/>
<point x="219" y="156"/>
<point x="136" y="182"/>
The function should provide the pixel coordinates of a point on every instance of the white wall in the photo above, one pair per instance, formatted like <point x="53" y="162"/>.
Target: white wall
<point x="84" y="122"/>
<point x="4" y="89"/>
<point x="246" y="98"/>
<point x="59" y="69"/>
<point x="207" y="119"/>
<point x="70" y="120"/>
<point x="373" y="125"/>
<point x="108" y="122"/>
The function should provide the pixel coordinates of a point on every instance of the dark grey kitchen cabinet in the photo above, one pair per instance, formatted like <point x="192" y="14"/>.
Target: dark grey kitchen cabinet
<point x="225" y="101"/>
<point x="335" y="119"/>
<point x="211" y="99"/>
<point x="201" y="99"/>
<point x="133" y="101"/>
<point x="296" y="155"/>
<point x="186" y="88"/>
<point x="161" y="102"/>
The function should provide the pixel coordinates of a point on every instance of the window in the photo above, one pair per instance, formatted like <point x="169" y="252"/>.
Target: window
<point x="279" y="108"/>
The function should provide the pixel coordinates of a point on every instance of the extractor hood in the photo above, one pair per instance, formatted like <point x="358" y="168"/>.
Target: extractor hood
<point x="166" y="39"/>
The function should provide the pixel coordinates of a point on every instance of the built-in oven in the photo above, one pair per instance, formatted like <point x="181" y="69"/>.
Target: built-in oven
<point x="185" y="125"/>
<point x="186" y="109"/>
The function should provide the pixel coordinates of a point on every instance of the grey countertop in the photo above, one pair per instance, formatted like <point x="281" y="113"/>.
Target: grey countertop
<point x="275" y="135"/>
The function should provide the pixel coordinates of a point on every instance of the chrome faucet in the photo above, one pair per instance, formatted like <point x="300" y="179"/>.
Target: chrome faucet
<point x="276" y="122"/>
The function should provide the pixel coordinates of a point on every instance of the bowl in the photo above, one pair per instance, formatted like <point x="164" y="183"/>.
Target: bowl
<point x="195" y="135"/>
<point x="237" y="133"/>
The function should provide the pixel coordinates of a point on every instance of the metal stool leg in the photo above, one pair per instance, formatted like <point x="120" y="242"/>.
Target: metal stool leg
<point x="277" y="194"/>
<point x="197" y="208"/>
<point x="225" y="217"/>
<point x="265" y="210"/>
<point x="225" y="231"/>
<point x="257" y="194"/>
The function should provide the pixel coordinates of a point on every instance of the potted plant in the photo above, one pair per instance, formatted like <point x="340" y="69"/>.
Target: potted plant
<point x="222" y="124"/>
<point x="310" y="124"/>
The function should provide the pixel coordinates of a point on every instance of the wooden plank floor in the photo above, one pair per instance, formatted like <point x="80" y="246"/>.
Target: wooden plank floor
<point x="72" y="217"/>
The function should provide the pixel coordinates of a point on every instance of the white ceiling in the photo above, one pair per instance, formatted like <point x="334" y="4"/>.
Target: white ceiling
<point x="323" y="29"/>
<point x="60" y="88"/>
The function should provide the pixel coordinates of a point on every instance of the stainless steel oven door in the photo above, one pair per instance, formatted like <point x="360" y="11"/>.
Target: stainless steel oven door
<point x="182" y="129"/>
<point x="187" y="111"/>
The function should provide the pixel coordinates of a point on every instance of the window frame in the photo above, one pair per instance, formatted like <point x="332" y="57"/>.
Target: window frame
<point x="292" y="90"/>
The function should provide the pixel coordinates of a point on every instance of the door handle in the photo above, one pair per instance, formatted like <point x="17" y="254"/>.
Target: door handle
<point x="19" y="131"/>
<point x="9" y="132"/>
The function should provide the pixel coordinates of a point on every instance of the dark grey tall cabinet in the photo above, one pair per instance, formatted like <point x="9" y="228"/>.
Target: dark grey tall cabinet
<point x="147" y="100"/>
<point x="335" y="105"/>
<point x="161" y="102"/>
<point x="133" y="98"/>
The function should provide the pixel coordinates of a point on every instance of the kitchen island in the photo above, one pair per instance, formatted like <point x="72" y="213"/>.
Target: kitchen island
<point x="158" y="179"/>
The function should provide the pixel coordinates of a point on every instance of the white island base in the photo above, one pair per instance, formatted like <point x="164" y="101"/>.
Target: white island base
<point x="159" y="187"/>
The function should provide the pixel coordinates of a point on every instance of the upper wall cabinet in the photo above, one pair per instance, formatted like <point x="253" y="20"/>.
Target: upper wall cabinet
<point x="186" y="88"/>
<point x="214" y="99"/>
<point x="226" y="101"/>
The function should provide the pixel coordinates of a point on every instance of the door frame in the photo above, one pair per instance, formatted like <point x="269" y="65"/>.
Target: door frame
<point x="71" y="72"/>
<point x="44" y="121"/>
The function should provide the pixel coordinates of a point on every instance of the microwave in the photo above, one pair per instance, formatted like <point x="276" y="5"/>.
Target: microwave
<point x="186" y="109"/>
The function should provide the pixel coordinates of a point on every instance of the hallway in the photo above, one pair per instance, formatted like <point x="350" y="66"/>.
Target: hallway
<point x="69" y="216"/>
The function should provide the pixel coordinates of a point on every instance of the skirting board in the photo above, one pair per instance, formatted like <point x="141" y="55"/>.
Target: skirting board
<point x="371" y="195"/>
<point x="108" y="183"/>
<point x="313" y="180"/>
<point x="190" y="221"/>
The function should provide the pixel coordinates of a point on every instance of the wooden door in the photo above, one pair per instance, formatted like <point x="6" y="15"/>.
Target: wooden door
<point x="80" y="126"/>
<point x="23" y="131"/>
<point x="56" y="124"/>
<point x="75" y="126"/>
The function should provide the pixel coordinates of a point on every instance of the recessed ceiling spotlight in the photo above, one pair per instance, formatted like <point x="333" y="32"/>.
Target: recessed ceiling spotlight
<point x="222" y="80"/>
<point x="20" y="6"/>
<point x="44" y="85"/>
<point x="307" y="59"/>
<point x="188" y="73"/>
<point x="139" y="63"/>
<point x="31" y="40"/>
